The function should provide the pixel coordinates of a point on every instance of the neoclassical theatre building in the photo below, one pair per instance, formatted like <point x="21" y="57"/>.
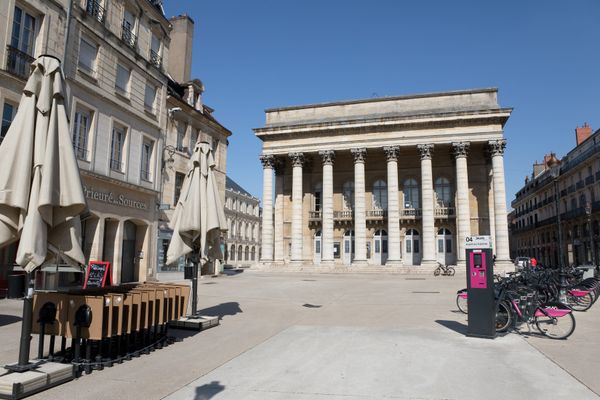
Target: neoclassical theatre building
<point x="393" y="181"/>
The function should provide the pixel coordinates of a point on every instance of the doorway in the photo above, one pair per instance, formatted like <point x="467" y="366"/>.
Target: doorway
<point x="445" y="254"/>
<point x="128" y="270"/>
<point x="413" y="247"/>
<point x="348" y="247"/>
<point x="380" y="246"/>
<point x="317" y="248"/>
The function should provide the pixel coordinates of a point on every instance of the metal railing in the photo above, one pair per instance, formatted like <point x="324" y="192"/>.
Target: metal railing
<point x="81" y="153"/>
<point x="589" y="180"/>
<point x="579" y="185"/>
<point x="127" y="35"/>
<point x="116" y="165"/>
<point x="155" y="59"/>
<point x="94" y="9"/>
<point x="18" y="62"/>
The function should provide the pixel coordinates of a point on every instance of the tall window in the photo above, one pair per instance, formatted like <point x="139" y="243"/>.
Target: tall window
<point x="128" y="35"/>
<point x="122" y="81"/>
<point x="81" y="129"/>
<point x="87" y="55"/>
<point x="442" y="191"/>
<point x="178" y="185"/>
<point x="318" y="197"/>
<point x="348" y="194"/>
<point x="22" y="41"/>
<point x="150" y="97"/>
<point x="193" y="140"/>
<point x="411" y="194"/>
<point x="8" y="114"/>
<point x="147" y="147"/>
<point x="116" y="148"/>
<point x="380" y="195"/>
<point x="155" y="57"/>
<point x="181" y="128"/>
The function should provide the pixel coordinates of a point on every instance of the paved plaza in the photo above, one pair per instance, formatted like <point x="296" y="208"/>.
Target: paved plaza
<point x="339" y="336"/>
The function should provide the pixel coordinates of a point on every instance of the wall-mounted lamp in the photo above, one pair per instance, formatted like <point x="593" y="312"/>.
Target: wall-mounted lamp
<point x="172" y="111"/>
<point x="168" y="161"/>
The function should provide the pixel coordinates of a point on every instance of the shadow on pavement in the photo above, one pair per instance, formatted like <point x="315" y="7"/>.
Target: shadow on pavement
<point x="8" y="319"/>
<point x="209" y="390"/>
<point x="453" y="325"/>
<point x="223" y="309"/>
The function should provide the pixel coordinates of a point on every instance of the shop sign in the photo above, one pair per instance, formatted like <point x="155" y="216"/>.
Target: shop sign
<point x="113" y="198"/>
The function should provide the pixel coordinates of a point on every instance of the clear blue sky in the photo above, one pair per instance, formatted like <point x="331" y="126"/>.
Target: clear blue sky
<point x="543" y="56"/>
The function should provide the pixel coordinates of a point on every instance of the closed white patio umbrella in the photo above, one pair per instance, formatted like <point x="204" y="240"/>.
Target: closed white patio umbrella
<point x="199" y="217"/>
<point x="41" y="196"/>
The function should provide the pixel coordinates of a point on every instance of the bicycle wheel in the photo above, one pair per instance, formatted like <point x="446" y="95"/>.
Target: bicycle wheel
<point x="503" y="317"/>
<point x="461" y="302"/>
<point x="580" y="303"/>
<point x="556" y="327"/>
<point x="437" y="271"/>
<point x="451" y="271"/>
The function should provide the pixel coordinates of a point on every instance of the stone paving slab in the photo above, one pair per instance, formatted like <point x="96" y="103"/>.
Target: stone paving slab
<point x="308" y="362"/>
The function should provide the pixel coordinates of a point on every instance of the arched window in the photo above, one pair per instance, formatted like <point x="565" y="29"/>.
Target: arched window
<point x="240" y="253"/>
<point x="411" y="194"/>
<point x="232" y="253"/>
<point x="318" y="197"/>
<point x="348" y="193"/>
<point x="253" y="253"/>
<point x="443" y="192"/>
<point x="380" y="195"/>
<point x="247" y="254"/>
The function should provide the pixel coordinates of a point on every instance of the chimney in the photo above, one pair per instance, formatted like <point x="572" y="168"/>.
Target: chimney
<point x="180" y="49"/>
<point x="581" y="134"/>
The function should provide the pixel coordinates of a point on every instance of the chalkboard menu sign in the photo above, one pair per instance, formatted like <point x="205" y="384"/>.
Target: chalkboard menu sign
<point x="97" y="274"/>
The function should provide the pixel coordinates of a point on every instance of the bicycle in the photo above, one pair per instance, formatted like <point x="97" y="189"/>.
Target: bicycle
<point x="444" y="270"/>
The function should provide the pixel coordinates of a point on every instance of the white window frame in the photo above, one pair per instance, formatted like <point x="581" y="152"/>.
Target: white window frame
<point x="91" y="69"/>
<point x="81" y="140"/>
<point x="118" y="88"/>
<point x="153" y="91"/>
<point x="147" y="159"/>
<point x="118" y="164"/>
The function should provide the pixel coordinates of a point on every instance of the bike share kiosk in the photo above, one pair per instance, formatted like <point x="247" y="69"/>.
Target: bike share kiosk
<point x="481" y="302"/>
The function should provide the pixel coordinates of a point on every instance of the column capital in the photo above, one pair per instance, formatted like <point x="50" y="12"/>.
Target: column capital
<point x="496" y="147"/>
<point x="297" y="159"/>
<point x="391" y="152"/>
<point x="425" y="151"/>
<point x="460" y="149"/>
<point x="267" y="160"/>
<point x="328" y="156"/>
<point x="359" y="155"/>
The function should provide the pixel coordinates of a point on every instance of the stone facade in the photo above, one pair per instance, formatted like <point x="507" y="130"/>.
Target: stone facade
<point x="242" y="211"/>
<point x="571" y="185"/>
<point x="397" y="181"/>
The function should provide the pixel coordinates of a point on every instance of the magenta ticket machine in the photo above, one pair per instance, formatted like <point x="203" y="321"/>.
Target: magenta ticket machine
<point x="480" y="286"/>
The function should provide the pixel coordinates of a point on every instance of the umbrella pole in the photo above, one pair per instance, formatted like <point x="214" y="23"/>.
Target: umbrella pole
<point x="194" y="287"/>
<point x="24" y="364"/>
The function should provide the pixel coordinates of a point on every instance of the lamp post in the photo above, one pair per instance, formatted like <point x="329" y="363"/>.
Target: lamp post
<point x="561" y="259"/>
<point x="588" y="213"/>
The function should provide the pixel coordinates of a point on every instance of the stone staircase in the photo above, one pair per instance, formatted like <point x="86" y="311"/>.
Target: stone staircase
<point x="350" y="269"/>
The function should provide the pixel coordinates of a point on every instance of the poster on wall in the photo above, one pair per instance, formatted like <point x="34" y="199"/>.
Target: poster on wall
<point x="97" y="275"/>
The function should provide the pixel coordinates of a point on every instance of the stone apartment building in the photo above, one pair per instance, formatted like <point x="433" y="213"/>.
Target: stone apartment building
<point x="188" y="120"/>
<point x="243" y="214"/>
<point x="393" y="181"/>
<point x="570" y="185"/>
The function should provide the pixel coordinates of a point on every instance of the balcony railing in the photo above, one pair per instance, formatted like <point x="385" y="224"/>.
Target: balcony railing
<point x="579" y="185"/>
<point x="376" y="214"/>
<point x="444" y="211"/>
<point x="127" y="35"/>
<point x="18" y="62"/>
<point x="81" y="153"/>
<point x="571" y="189"/>
<point x="116" y="165"/>
<point x="314" y="215"/>
<point x="155" y="59"/>
<point x="410" y="212"/>
<point x="94" y="9"/>
<point x="343" y="215"/>
<point x="589" y="180"/>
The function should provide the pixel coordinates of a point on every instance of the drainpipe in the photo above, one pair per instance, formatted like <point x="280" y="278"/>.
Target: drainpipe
<point x="67" y="31"/>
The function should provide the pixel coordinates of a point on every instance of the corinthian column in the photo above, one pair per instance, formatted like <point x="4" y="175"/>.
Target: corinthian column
<point x="267" y="215"/>
<point x="501" y="224"/>
<point x="360" y="214"/>
<point x="394" y="257"/>
<point x="297" y="163"/>
<point x="427" y="207"/>
<point x="278" y="251"/>
<point x="463" y="212"/>
<point x="327" y="216"/>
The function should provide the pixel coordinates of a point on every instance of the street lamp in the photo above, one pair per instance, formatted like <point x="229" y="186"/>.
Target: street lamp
<point x="588" y="212"/>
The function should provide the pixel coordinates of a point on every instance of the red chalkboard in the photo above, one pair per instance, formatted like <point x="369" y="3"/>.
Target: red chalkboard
<point x="97" y="274"/>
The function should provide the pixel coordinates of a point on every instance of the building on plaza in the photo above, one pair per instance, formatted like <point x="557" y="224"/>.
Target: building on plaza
<point x="570" y="185"/>
<point x="395" y="181"/>
<point x="188" y="120"/>
<point x="32" y="28"/>
<point x="242" y="211"/>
